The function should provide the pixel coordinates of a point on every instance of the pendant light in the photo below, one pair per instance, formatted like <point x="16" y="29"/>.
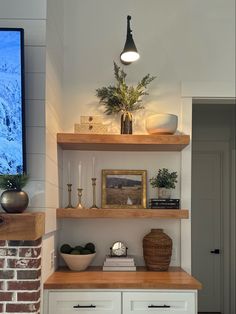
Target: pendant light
<point x="130" y="52"/>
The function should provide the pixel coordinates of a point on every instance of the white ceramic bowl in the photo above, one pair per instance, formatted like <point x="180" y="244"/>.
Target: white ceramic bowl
<point x="162" y="123"/>
<point x="78" y="262"/>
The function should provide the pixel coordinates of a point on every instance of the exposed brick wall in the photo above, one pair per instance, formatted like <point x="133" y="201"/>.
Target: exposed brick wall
<point x="20" y="273"/>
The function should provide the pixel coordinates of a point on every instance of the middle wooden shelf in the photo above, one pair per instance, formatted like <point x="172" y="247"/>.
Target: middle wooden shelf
<point x="74" y="213"/>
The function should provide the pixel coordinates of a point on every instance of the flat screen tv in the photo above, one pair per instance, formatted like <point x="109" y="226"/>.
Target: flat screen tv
<point x="12" y="142"/>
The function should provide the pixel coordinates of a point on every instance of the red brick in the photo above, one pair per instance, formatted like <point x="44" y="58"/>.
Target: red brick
<point x="6" y="296"/>
<point x="2" y="242"/>
<point x="6" y="274"/>
<point x="2" y="262"/>
<point x="29" y="252"/>
<point x="23" y="285"/>
<point x="1" y="308"/>
<point x="28" y="296"/>
<point x="8" y="252"/>
<point x="25" y="243"/>
<point x="28" y="274"/>
<point x="22" y="308"/>
<point x="24" y="263"/>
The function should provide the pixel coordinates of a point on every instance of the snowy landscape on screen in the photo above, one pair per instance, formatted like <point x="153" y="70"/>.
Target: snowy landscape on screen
<point x="11" y="149"/>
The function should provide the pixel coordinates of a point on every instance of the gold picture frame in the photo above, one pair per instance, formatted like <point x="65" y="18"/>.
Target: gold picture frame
<point x="124" y="188"/>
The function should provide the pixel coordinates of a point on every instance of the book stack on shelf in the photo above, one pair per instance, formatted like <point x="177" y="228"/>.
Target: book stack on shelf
<point x="170" y="203"/>
<point x="125" y="263"/>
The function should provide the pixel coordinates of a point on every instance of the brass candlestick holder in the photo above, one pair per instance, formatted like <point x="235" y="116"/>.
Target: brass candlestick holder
<point x="69" y="196"/>
<point x="79" y="205"/>
<point x="94" y="193"/>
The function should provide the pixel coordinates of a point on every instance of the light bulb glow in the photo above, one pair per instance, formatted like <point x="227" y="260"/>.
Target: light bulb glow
<point x="129" y="56"/>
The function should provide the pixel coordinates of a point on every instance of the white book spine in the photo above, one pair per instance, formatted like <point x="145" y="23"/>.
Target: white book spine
<point x="120" y="259"/>
<point x="116" y="264"/>
<point x="111" y="263"/>
<point x="124" y="268"/>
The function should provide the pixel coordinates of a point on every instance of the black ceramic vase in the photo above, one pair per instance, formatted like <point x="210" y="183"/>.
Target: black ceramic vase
<point x="126" y="123"/>
<point x="13" y="201"/>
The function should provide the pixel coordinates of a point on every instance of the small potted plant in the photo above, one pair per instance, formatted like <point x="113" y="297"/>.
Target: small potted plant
<point x="124" y="99"/>
<point x="164" y="181"/>
<point x="13" y="199"/>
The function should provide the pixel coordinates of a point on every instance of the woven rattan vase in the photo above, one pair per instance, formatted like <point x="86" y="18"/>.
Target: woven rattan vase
<point x="157" y="250"/>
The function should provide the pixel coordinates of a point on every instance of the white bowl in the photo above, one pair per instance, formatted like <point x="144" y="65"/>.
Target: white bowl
<point x="78" y="262"/>
<point x="162" y="123"/>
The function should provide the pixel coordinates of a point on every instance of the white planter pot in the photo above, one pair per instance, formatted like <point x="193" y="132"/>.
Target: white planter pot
<point x="164" y="193"/>
<point x="162" y="123"/>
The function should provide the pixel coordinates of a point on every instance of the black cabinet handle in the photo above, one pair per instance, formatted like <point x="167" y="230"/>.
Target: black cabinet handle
<point x="84" y="306"/>
<point x="216" y="251"/>
<point x="159" y="306"/>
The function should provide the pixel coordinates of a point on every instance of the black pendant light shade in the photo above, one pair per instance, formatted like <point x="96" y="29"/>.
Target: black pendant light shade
<point x="130" y="52"/>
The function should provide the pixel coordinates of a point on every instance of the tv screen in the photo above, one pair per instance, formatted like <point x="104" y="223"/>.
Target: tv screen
<point x="12" y="152"/>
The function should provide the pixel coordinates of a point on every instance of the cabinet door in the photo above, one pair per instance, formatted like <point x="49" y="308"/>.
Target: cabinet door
<point x="84" y="302"/>
<point x="159" y="302"/>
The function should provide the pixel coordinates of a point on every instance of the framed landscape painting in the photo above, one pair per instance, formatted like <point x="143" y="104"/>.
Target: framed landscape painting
<point x="124" y="188"/>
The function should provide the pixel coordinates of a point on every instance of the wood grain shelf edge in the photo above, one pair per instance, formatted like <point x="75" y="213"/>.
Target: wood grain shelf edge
<point x="124" y="142"/>
<point x="73" y="213"/>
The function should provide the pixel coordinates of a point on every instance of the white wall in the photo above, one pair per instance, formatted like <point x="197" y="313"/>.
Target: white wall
<point x="31" y="15"/>
<point x="41" y="21"/>
<point x="178" y="41"/>
<point x="53" y="120"/>
<point x="103" y="232"/>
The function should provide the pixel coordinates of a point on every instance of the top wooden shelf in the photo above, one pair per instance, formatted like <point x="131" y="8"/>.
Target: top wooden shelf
<point x="124" y="142"/>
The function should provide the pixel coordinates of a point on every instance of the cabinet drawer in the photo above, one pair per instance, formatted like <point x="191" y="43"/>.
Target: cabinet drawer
<point x="159" y="302"/>
<point x="84" y="302"/>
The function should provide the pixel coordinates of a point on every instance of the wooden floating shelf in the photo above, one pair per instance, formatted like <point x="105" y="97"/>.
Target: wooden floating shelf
<point x="72" y="213"/>
<point x="25" y="226"/>
<point x="124" y="142"/>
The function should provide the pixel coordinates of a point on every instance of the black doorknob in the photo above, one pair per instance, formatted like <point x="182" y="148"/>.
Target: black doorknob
<point x="215" y="251"/>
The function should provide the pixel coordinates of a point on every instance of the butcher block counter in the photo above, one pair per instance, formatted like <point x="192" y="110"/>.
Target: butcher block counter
<point x="95" y="278"/>
<point x="93" y="290"/>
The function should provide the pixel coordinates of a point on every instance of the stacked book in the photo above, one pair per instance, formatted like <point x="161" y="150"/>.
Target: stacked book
<point x="170" y="203"/>
<point x="125" y="263"/>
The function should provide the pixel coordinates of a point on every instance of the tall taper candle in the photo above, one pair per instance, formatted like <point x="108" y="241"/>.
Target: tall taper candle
<point x="68" y="173"/>
<point x="80" y="174"/>
<point x="93" y="168"/>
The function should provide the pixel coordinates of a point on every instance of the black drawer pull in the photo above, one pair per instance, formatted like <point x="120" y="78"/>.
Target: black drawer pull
<point x="84" y="306"/>
<point x="159" y="306"/>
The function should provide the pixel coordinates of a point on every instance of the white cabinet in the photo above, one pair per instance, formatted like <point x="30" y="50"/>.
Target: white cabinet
<point x="120" y="301"/>
<point x="159" y="302"/>
<point x="84" y="302"/>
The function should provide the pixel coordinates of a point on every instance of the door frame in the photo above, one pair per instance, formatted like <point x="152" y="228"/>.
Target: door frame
<point x="197" y="91"/>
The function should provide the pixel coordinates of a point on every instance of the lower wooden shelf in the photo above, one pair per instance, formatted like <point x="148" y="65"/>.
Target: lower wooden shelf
<point x="73" y="213"/>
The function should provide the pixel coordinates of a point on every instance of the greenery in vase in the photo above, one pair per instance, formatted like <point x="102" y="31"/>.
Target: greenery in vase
<point x="121" y="97"/>
<point x="13" y="182"/>
<point x="164" y="179"/>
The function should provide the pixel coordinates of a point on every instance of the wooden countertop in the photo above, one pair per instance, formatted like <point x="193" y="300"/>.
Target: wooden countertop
<point x="95" y="278"/>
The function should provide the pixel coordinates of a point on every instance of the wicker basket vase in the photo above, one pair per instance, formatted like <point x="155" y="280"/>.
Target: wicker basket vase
<point x="157" y="250"/>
